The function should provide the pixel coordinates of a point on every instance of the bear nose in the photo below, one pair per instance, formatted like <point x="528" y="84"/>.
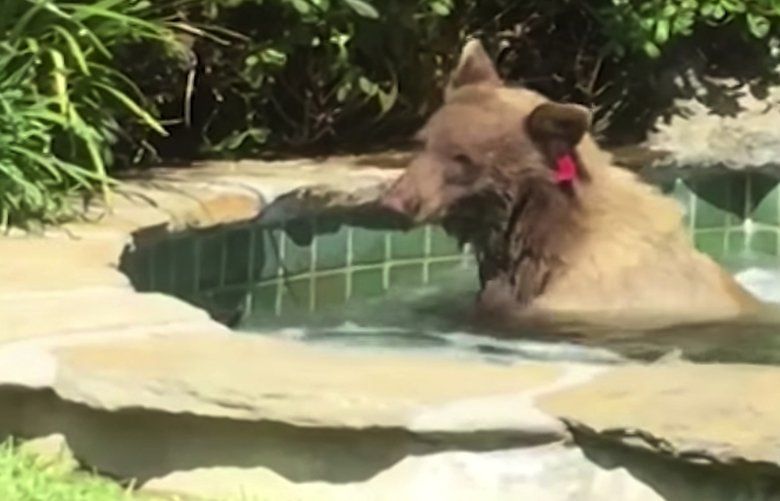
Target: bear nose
<point x="400" y="205"/>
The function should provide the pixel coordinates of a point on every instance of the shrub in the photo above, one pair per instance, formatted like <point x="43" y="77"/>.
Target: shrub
<point x="627" y="59"/>
<point x="311" y="75"/>
<point x="62" y="99"/>
<point x="650" y="25"/>
<point x="24" y="477"/>
<point x="305" y="73"/>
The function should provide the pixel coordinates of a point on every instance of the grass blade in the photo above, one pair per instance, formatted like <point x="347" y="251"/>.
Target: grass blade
<point x="133" y="107"/>
<point x="75" y="50"/>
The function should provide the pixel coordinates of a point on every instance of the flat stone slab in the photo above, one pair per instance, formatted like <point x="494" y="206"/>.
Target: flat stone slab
<point x="84" y="310"/>
<point x="684" y="408"/>
<point x="60" y="263"/>
<point x="32" y="364"/>
<point x="259" y="378"/>
<point x="545" y="473"/>
<point x="221" y="192"/>
<point x="725" y="411"/>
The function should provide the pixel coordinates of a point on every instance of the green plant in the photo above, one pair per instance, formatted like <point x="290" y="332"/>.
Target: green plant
<point x="317" y="75"/>
<point x="62" y="99"/>
<point x="33" y="182"/>
<point x="649" y="25"/>
<point x="23" y="478"/>
<point x="310" y="76"/>
<point x="308" y="73"/>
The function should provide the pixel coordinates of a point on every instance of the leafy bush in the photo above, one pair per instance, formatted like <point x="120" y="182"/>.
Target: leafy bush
<point x="651" y="24"/>
<point x="301" y="73"/>
<point x="62" y="98"/>
<point x="24" y="477"/>
<point x="312" y="75"/>
<point x="629" y="60"/>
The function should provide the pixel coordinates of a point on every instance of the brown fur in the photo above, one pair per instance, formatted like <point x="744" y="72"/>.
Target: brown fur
<point x="606" y="247"/>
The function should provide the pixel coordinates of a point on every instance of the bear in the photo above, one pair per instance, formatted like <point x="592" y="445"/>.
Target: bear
<point x="559" y="232"/>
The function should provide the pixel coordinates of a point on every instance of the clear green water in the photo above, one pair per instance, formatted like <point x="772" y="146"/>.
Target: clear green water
<point x="436" y="320"/>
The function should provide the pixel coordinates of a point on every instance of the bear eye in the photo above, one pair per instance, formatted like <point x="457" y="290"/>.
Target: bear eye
<point x="462" y="159"/>
<point x="463" y="170"/>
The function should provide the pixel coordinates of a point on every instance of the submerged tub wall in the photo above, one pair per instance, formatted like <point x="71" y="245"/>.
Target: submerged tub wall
<point x="731" y="213"/>
<point x="250" y="272"/>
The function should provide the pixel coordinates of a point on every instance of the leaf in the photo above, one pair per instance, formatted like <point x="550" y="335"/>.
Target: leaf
<point x="362" y="8"/>
<point x="302" y="6"/>
<point x="60" y="80"/>
<point x="133" y="107"/>
<point x="368" y="87"/>
<point x="387" y="99"/>
<point x="683" y="23"/>
<point x="647" y="23"/>
<point x="759" y="25"/>
<point x="662" y="31"/>
<point x="256" y="136"/>
<point x="74" y="48"/>
<point x="651" y="49"/>
<point x="343" y="91"/>
<point x="737" y="6"/>
<point x="82" y="12"/>
<point x="115" y="77"/>
<point x="442" y="8"/>
<point x="211" y="33"/>
<point x="46" y="163"/>
<point x="273" y="57"/>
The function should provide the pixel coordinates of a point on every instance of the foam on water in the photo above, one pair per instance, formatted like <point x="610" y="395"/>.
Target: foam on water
<point x="429" y="321"/>
<point x="458" y="344"/>
<point x="762" y="282"/>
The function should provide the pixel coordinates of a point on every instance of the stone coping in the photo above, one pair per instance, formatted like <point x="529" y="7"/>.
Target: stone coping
<point x="71" y="323"/>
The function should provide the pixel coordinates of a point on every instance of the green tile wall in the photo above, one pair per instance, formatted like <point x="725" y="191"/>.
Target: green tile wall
<point x="305" y="267"/>
<point x="311" y="265"/>
<point x="731" y="214"/>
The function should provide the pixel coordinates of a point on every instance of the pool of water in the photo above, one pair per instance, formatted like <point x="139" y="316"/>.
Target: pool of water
<point x="436" y="320"/>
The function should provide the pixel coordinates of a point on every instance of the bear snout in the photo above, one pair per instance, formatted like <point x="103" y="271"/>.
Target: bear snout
<point x="399" y="203"/>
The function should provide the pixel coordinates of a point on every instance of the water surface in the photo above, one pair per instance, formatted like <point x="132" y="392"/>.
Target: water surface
<point x="436" y="320"/>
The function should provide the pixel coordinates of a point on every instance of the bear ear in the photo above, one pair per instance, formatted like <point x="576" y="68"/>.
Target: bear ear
<point x="562" y="123"/>
<point x="474" y="66"/>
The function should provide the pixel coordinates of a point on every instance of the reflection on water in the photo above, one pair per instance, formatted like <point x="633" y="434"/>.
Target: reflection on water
<point x="437" y="320"/>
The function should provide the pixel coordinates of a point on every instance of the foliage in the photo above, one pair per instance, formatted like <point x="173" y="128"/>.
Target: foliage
<point x="605" y="54"/>
<point x="649" y="25"/>
<point x="297" y="73"/>
<point x="23" y="478"/>
<point x="62" y="98"/>
<point x="312" y="75"/>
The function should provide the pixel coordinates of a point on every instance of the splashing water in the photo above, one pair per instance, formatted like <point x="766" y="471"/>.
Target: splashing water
<point x="431" y="321"/>
<point x="761" y="282"/>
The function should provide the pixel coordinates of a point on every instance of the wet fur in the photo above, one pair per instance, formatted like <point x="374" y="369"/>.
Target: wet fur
<point x="519" y="235"/>
<point x="611" y="249"/>
<point x="608" y="248"/>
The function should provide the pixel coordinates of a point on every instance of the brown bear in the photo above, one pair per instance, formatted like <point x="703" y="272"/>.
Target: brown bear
<point x="558" y="231"/>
